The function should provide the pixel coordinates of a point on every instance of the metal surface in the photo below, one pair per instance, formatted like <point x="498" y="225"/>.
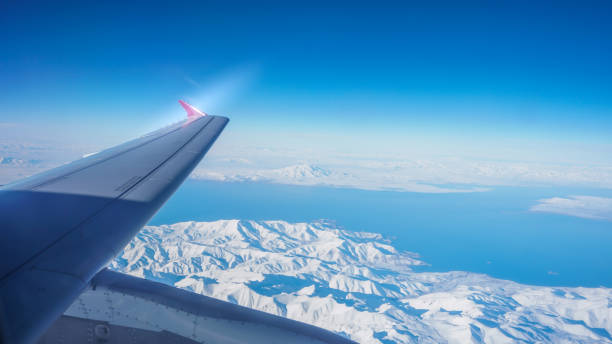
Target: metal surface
<point x="59" y="228"/>
<point x="138" y="303"/>
<point x="68" y="329"/>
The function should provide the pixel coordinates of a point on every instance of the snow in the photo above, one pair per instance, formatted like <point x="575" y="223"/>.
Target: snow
<point x="357" y="283"/>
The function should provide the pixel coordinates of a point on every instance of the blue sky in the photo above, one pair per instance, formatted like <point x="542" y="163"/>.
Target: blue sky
<point x="511" y="80"/>
<point x="494" y="99"/>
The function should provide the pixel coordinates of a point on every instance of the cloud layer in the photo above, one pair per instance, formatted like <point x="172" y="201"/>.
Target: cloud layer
<point x="589" y="207"/>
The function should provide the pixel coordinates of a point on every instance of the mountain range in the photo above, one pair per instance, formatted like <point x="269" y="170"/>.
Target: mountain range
<point x="359" y="285"/>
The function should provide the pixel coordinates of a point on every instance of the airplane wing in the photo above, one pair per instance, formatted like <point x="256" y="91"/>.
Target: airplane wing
<point x="118" y="308"/>
<point x="60" y="228"/>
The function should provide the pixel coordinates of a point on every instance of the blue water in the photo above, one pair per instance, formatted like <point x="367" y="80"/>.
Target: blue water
<point x="488" y="232"/>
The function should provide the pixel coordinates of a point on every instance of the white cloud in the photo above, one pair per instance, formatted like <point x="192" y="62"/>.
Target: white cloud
<point x="589" y="207"/>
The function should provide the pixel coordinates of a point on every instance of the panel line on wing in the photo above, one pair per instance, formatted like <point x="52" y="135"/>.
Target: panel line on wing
<point x="130" y="182"/>
<point x="168" y="158"/>
<point x="94" y="163"/>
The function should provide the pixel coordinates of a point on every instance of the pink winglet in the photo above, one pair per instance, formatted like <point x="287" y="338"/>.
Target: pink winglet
<point x="192" y="112"/>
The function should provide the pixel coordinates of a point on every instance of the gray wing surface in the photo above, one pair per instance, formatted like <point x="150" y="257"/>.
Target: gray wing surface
<point x="131" y="309"/>
<point x="60" y="228"/>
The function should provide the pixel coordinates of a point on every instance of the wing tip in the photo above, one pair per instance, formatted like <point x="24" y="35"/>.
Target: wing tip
<point x="191" y="110"/>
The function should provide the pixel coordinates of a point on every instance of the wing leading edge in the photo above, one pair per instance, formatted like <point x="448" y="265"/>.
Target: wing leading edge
<point x="59" y="228"/>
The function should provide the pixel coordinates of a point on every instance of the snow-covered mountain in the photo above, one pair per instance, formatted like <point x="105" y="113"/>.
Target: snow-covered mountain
<point x="358" y="284"/>
<point x="300" y="174"/>
<point x="306" y="174"/>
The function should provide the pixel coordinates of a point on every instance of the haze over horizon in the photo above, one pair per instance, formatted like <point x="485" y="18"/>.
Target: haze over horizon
<point x="519" y="82"/>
